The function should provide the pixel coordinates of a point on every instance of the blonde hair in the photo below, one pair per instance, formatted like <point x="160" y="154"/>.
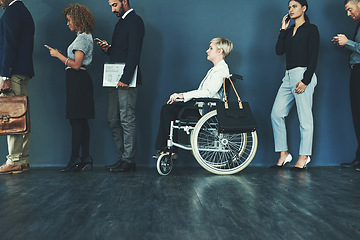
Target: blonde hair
<point x="225" y="44"/>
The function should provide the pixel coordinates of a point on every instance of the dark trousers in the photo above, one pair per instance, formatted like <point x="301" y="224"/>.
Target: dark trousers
<point x="170" y="112"/>
<point x="80" y="138"/>
<point x="355" y="104"/>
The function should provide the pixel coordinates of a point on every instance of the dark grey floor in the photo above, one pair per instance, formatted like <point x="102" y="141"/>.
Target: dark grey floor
<point x="257" y="203"/>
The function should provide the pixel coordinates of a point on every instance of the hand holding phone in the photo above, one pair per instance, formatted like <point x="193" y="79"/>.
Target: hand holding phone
<point x="53" y="52"/>
<point x="102" y="43"/>
<point x="340" y="40"/>
<point x="285" y="22"/>
<point x="98" y="40"/>
<point x="335" y="40"/>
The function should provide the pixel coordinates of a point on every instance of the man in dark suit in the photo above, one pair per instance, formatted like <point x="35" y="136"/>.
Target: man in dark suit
<point x="352" y="8"/>
<point x="125" y="48"/>
<point x="16" y="49"/>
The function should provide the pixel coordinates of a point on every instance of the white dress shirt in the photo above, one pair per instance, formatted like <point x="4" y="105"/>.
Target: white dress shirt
<point x="13" y="2"/>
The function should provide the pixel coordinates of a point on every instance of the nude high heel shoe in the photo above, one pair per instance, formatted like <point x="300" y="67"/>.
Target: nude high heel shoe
<point x="304" y="167"/>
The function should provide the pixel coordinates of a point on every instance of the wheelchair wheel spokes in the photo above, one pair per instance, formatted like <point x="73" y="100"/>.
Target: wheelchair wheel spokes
<point x="221" y="153"/>
<point x="164" y="164"/>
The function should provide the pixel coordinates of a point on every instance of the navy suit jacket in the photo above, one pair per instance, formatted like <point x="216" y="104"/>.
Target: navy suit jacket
<point x="16" y="41"/>
<point x="126" y="45"/>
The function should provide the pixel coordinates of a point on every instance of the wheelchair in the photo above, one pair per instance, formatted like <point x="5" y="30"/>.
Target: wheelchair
<point x="218" y="153"/>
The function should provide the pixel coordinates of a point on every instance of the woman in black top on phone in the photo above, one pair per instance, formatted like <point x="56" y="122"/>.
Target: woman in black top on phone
<point x="300" y="43"/>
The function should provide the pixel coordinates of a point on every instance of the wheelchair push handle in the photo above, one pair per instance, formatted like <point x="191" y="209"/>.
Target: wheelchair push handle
<point x="236" y="77"/>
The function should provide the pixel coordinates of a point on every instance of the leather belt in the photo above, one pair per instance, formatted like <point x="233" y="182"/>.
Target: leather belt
<point x="81" y="68"/>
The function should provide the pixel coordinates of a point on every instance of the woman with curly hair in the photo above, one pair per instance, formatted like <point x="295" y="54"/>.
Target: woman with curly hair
<point x="79" y="89"/>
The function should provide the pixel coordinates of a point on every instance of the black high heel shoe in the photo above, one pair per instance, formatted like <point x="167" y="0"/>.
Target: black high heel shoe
<point x="83" y="163"/>
<point x="71" y="165"/>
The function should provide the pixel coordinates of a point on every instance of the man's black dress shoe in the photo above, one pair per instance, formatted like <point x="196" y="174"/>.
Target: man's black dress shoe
<point x="125" y="167"/>
<point x="352" y="164"/>
<point x="117" y="164"/>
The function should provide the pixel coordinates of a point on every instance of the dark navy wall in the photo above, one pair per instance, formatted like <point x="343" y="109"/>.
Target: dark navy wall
<point x="174" y="60"/>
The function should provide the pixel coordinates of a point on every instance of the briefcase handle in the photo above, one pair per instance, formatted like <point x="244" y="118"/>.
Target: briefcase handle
<point x="225" y="96"/>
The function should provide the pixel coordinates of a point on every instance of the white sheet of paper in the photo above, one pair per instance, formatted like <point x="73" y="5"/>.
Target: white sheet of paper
<point x="113" y="73"/>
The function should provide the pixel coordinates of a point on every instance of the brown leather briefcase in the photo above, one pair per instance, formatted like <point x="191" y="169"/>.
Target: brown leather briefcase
<point x="14" y="115"/>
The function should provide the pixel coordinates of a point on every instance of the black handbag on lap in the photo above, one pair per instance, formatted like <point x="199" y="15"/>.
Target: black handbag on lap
<point x="234" y="117"/>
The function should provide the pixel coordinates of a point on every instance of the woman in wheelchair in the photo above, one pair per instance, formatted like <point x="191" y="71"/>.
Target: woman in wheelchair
<point x="210" y="87"/>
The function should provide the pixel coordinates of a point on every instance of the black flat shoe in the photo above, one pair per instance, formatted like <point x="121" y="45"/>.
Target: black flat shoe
<point x="125" y="167"/>
<point x="351" y="164"/>
<point x="157" y="155"/>
<point x="174" y="156"/>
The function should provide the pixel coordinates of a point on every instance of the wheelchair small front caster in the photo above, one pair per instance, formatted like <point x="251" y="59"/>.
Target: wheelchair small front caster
<point x="164" y="164"/>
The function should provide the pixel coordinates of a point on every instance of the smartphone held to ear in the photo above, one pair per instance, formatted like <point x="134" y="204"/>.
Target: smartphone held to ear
<point x="287" y="18"/>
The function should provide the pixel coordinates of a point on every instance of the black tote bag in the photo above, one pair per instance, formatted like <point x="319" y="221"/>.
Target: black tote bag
<point x="234" y="117"/>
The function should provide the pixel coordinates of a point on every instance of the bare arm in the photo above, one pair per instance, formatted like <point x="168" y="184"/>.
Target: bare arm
<point x="75" y="64"/>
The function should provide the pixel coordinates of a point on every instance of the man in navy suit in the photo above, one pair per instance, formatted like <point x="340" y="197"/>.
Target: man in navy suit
<point x="16" y="49"/>
<point x="125" y="48"/>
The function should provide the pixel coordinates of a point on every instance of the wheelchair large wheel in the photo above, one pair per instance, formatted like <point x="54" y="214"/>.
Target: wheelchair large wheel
<point x="221" y="153"/>
<point x="164" y="164"/>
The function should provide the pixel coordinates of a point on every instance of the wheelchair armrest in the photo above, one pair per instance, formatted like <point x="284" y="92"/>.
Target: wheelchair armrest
<point x="207" y="103"/>
<point x="205" y="100"/>
<point x="192" y="108"/>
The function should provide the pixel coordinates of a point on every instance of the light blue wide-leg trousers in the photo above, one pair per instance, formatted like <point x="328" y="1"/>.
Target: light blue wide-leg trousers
<point x="283" y="103"/>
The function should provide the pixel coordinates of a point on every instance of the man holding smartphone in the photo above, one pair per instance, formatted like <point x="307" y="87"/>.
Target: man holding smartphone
<point x="352" y="7"/>
<point x="16" y="49"/>
<point x="125" y="48"/>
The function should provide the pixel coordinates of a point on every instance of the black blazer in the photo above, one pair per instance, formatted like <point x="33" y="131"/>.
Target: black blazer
<point x="127" y="44"/>
<point x="17" y="30"/>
